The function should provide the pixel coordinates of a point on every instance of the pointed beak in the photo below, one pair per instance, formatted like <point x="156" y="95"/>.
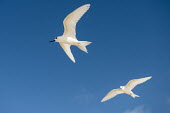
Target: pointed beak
<point x="52" y="41"/>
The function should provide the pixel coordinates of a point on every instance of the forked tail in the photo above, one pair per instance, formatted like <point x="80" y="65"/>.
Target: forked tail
<point x="134" y="95"/>
<point x="82" y="45"/>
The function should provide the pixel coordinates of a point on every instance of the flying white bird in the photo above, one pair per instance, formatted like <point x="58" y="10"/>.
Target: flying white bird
<point x="69" y="36"/>
<point x="126" y="89"/>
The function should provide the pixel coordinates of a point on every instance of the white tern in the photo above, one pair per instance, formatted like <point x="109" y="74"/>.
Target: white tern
<point x="126" y="89"/>
<point x="69" y="36"/>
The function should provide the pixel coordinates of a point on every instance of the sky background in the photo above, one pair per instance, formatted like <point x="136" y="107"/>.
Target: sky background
<point x="131" y="39"/>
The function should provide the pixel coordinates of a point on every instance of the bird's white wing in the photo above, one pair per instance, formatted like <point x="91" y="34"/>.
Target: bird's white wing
<point x="66" y="48"/>
<point x="132" y="83"/>
<point x="112" y="94"/>
<point x="71" y="20"/>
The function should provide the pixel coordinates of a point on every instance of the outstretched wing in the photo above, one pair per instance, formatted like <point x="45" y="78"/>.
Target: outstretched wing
<point x="112" y="94"/>
<point x="71" y="20"/>
<point x="66" y="48"/>
<point x="132" y="83"/>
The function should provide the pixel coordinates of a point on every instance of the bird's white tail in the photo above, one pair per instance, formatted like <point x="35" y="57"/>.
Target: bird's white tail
<point x="134" y="95"/>
<point x="82" y="45"/>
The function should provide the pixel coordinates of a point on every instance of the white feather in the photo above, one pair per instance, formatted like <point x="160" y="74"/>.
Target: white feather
<point x="132" y="83"/>
<point x="66" y="48"/>
<point x="112" y="94"/>
<point x="71" y="20"/>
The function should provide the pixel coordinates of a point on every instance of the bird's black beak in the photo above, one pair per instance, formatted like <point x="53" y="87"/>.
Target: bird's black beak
<point x="52" y="41"/>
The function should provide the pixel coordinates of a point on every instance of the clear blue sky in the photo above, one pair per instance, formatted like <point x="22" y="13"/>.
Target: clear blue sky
<point x="131" y="39"/>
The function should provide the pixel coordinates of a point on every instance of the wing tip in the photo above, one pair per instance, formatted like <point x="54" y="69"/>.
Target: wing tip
<point x="103" y="100"/>
<point x="87" y="5"/>
<point x="73" y="60"/>
<point x="149" y="77"/>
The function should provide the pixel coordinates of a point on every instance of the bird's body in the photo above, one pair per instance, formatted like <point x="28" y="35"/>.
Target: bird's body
<point x="127" y="89"/>
<point x="69" y="36"/>
<point x="67" y="40"/>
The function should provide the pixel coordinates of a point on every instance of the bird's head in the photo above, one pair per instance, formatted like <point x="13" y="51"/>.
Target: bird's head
<point x="122" y="87"/>
<point x="55" y="40"/>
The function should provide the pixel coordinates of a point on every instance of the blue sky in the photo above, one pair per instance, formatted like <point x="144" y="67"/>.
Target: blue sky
<point x="130" y="40"/>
